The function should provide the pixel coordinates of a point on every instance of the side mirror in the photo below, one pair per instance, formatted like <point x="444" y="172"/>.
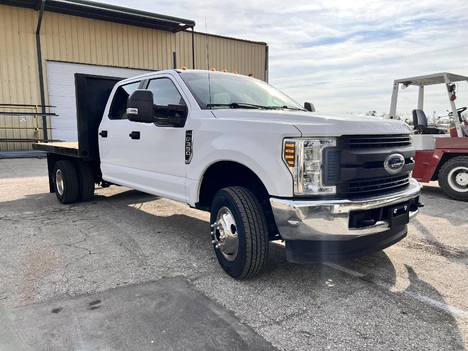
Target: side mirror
<point x="140" y="106"/>
<point x="309" y="106"/>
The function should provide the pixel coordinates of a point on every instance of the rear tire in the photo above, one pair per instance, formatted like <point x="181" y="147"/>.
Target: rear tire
<point x="65" y="182"/>
<point x="239" y="232"/>
<point x="85" y="175"/>
<point x="453" y="178"/>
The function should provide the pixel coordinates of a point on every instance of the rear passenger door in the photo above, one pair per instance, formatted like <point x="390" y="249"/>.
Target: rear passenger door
<point x="114" y="144"/>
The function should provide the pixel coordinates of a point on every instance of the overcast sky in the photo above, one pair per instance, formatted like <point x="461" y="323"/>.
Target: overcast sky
<point x="342" y="55"/>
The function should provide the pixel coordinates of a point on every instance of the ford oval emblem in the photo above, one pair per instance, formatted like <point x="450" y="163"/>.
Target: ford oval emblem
<point x="394" y="163"/>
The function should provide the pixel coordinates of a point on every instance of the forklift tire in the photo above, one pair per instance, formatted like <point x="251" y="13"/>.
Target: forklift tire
<point x="453" y="178"/>
<point x="85" y="175"/>
<point x="65" y="182"/>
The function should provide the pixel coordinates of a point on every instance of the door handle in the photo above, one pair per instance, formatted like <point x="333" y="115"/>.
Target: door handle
<point x="134" y="135"/>
<point x="103" y="133"/>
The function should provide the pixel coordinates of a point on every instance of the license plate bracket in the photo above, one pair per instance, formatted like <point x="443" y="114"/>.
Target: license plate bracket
<point x="398" y="215"/>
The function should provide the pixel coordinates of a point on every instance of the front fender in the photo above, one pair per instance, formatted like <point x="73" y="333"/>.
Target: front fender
<point x="259" y="151"/>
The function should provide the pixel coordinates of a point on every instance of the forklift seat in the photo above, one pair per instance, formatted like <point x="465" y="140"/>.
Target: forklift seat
<point x="420" y="124"/>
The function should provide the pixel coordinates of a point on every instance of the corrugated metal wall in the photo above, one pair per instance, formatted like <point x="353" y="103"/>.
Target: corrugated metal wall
<point x="18" y="75"/>
<point x="233" y="55"/>
<point x="94" y="42"/>
<point x="83" y="40"/>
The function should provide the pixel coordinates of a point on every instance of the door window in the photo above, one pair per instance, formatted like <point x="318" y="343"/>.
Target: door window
<point x="118" y="108"/>
<point x="169" y="106"/>
<point x="165" y="92"/>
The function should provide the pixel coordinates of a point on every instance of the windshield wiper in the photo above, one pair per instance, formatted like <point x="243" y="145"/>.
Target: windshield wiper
<point x="247" y="105"/>
<point x="292" y="108"/>
<point x="239" y="105"/>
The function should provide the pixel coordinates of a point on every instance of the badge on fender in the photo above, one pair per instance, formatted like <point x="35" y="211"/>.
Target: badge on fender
<point x="188" y="146"/>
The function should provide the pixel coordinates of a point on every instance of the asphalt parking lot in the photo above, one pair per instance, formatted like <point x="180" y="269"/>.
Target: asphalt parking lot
<point x="129" y="271"/>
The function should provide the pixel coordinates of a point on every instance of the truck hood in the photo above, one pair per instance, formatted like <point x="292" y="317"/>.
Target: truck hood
<point x="317" y="124"/>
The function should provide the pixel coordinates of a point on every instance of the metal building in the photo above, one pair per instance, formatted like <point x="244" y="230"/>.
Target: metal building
<point x="43" y="43"/>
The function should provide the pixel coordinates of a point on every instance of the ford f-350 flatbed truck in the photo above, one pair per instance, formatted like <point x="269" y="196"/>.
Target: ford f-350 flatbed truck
<point x="264" y="167"/>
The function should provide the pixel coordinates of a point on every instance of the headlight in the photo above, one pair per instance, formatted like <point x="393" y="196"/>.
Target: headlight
<point x="305" y="160"/>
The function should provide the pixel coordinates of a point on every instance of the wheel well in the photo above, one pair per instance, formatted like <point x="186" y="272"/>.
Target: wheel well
<point x="445" y="157"/>
<point x="225" y="174"/>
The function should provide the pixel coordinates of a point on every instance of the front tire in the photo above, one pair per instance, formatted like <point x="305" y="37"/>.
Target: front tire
<point x="65" y="182"/>
<point x="453" y="178"/>
<point x="239" y="232"/>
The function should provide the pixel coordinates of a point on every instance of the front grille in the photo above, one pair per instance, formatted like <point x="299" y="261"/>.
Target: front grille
<point x="372" y="186"/>
<point x="351" y="142"/>
<point x="356" y="165"/>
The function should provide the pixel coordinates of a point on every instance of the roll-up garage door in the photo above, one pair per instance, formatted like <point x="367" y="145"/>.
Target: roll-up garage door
<point x="61" y="87"/>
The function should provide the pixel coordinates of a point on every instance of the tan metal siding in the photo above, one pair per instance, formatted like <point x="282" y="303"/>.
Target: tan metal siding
<point x="18" y="55"/>
<point x="230" y="54"/>
<point x="183" y="48"/>
<point x="18" y="73"/>
<point x="95" y="42"/>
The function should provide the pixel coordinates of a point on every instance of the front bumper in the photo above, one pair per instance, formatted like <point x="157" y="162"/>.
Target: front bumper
<point x="335" y="219"/>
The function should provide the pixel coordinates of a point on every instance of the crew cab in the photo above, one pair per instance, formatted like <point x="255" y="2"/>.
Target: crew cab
<point x="265" y="167"/>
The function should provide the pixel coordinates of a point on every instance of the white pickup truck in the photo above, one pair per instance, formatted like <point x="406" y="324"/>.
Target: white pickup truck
<point x="266" y="168"/>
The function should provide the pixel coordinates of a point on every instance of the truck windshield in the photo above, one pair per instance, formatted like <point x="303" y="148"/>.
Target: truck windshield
<point x="216" y="90"/>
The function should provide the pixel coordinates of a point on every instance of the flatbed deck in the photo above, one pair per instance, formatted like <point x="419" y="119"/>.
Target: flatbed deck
<point x="61" y="148"/>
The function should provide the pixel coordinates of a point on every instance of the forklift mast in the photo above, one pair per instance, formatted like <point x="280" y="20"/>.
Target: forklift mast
<point x="448" y="79"/>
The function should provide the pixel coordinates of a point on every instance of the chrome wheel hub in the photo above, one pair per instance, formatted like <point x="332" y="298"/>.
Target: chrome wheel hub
<point x="59" y="181"/>
<point x="224" y="234"/>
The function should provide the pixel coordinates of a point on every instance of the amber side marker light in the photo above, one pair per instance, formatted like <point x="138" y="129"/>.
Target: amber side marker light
<point x="290" y="153"/>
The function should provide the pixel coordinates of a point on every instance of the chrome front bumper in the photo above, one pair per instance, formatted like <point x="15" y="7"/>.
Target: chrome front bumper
<point x="329" y="219"/>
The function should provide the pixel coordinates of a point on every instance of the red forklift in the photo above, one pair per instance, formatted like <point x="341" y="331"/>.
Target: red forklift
<point x="441" y="153"/>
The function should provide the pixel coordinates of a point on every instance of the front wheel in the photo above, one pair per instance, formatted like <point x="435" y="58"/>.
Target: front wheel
<point x="239" y="232"/>
<point x="453" y="178"/>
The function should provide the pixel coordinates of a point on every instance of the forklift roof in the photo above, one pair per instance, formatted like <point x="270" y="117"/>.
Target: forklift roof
<point x="436" y="78"/>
